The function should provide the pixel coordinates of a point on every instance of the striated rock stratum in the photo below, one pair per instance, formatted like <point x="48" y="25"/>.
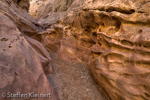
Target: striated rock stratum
<point x="111" y="36"/>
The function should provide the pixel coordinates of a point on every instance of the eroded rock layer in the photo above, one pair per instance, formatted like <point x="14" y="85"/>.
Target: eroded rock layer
<point x="111" y="37"/>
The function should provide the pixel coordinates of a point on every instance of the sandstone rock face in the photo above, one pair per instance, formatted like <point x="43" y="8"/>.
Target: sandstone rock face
<point x="21" y="57"/>
<point x="36" y="6"/>
<point x="111" y="37"/>
<point x="49" y="11"/>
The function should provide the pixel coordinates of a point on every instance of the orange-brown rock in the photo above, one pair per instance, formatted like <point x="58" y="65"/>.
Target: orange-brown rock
<point x="22" y="58"/>
<point x="36" y="6"/>
<point x="111" y="37"/>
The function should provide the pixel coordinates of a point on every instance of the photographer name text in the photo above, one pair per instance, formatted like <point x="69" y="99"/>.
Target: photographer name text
<point x="26" y="95"/>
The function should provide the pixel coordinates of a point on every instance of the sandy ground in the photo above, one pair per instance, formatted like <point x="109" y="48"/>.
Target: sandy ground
<point x="73" y="81"/>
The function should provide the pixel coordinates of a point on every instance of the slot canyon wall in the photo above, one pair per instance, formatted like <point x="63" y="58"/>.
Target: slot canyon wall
<point x="24" y="61"/>
<point x="111" y="36"/>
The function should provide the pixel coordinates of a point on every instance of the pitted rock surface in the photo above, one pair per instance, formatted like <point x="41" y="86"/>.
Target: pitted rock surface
<point x="111" y="37"/>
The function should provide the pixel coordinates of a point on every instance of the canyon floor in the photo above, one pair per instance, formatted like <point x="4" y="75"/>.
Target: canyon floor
<point x="73" y="81"/>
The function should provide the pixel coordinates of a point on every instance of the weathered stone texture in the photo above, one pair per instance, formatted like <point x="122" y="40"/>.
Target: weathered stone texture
<point x="111" y="37"/>
<point x="21" y="62"/>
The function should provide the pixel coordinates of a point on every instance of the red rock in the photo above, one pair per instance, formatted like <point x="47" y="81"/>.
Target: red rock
<point x="110" y="36"/>
<point x="22" y="59"/>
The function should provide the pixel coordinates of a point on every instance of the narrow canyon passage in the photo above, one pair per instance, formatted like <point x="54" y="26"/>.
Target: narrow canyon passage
<point x="111" y="37"/>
